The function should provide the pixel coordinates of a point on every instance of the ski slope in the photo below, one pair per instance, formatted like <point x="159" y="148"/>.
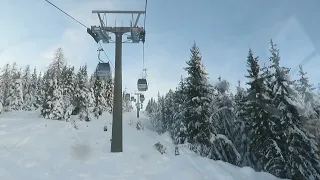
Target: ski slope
<point x="32" y="148"/>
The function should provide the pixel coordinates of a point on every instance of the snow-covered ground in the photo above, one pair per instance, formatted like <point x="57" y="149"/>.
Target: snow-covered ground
<point x="32" y="148"/>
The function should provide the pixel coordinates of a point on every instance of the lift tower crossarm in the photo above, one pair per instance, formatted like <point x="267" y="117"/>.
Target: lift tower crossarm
<point x="99" y="12"/>
<point x="113" y="29"/>
<point x="118" y="12"/>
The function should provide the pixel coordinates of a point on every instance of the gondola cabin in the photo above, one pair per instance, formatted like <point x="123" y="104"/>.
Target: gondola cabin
<point x="141" y="97"/>
<point x="127" y="97"/>
<point x="142" y="85"/>
<point x="103" y="71"/>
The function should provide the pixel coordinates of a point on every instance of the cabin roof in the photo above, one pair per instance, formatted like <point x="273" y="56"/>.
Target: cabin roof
<point x="103" y="67"/>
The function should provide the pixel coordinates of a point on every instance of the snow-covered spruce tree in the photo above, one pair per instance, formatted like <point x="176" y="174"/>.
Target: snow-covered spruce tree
<point x="240" y="95"/>
<point x="27" y="89"/>
<point x="76" y="100"/>
<point x="157" y="120"/>
<point x="261" y="143"/>
<point x="311" y="102"/>
<point x="82" y="93"/>
<point x="149" y="106"/>
<point x="57" y="111"/>
<point x="5" y="81"/>
<point x="53" y="102"/>
<point x="52" y="107"/>
<point x="197" y="102"/>
<point x="109" y="94"/>
<point x="34" y="88"/>
<point x="57" y="65"/>
<point x="153" y="106"/>
<point x="68" y="77"/>
<point x="222" y="125"/>
<point x="249" y="111"/>
<point x="163" y="117"/>
<point x="224" y="109"/>
<point x="99" y="98"/>
<point x="91" y="99"/>
<point x="40" y="94"/>
<point x="92" y="80"/>
<point x="240" y="132"/>
<point x="169" y="110"/>
<point x="179" y="128"/>
<point x="15" y="97"/>
<point x="67" y="86"/>
<point x="47" y="87"/>
<point x="92" y="95"/>
<point x="295" y="145"/>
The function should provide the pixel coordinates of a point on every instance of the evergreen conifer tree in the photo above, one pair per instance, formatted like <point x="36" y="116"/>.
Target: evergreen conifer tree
<point x="109" y="94"/>
<point x="179" y="128"/>
<point x="297" y="147"/>
<point x="258" y="117"/>
<point x="16" y="92"/>
<point x="82" y="93"/>
<point x="27" y="89"/>
<point x="57" y="111"/>
<point x="34" y="88"/>
<point x="197" y="101"/>
<point x="99" y="98"/>
<point x="5" y="85"/>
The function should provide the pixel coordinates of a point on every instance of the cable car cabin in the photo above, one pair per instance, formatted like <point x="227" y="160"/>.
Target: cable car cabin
<point x="141" y="97"/>
<point x="103" y="71"/>
<point x="142" y="85"/>
<point x="127" y="97"/>
<point x="132" y="98"/>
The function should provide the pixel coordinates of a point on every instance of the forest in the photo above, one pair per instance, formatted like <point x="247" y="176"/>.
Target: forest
<point x="271" y="123"/>
<point x="58" y="93"/>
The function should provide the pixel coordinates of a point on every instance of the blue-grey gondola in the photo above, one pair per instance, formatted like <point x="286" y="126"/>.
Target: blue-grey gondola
<point x="127" y="97"/>
<point x="142" y="84"/>
<point x="103" y="71"/>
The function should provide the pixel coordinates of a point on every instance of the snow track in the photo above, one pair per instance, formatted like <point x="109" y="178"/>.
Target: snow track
<point x="32" y="148"/>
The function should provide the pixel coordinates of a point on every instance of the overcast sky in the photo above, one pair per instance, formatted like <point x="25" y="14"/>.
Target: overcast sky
<point x="224" y="30"/>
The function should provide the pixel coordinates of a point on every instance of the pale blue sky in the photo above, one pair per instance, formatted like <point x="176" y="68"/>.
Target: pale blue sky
<point x="224" y="30"/>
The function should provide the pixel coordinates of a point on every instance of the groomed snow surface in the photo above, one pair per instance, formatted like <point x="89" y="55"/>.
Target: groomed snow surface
<point x="33" y="148"/>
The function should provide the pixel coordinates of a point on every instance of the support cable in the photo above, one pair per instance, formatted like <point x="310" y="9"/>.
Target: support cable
<point x="144" y="26"/>
<point x="66" y="14"/>
<point x="81" y="25"/>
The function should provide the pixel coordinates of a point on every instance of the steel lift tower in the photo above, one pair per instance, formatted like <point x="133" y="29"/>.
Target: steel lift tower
<point x="139" y="103"/>
<point x="102" y="33"/>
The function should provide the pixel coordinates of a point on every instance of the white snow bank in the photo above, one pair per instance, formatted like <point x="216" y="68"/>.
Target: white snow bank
<point x="32" y="148"/>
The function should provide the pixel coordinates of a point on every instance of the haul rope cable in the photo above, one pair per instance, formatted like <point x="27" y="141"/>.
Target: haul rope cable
<point x="81" y="25"/>
<point x="144" y="26"/>
<point x="66" y="13"/>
